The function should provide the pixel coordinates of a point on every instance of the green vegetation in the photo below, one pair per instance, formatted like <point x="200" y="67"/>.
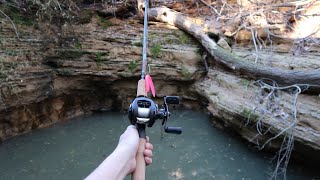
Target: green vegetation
<point x="28" y="12"/>
<point x="214" y="93"/>
<point x="6" y="68"/>
<point x="98" y="59"/>
<point x="171" y="41"/>
<point x="103" y="22"/>
<point x="85" y="16"/>
<point x="3" y="75"/>
<point x="153" y="36"/>
<point x="51" y="9"/>
<point x="1" y="41"/>
<point x="184" y="38"/>
<point x="155" y="50"/>
<point x="133" y="65"/>
<point x="176" y="37"/>
<point x="17" y="16"/>
<point x="249" y="114"/>
<point x="77" y="44"/>
<point x="139" y="44"/>
<point x="22" y="20"/>
<point x="186" y="73"/>
<point x="245" y="83"/>
<point x="11" y="52"/>
<point x="179" y="37"/>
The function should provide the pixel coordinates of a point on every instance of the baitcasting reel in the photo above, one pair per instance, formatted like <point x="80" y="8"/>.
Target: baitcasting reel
<point x="144" y="111"/>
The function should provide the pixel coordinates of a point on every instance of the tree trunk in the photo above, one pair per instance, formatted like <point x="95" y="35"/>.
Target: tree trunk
<point x="140" y="6"/>
<point x="235" y="63"/>
<point x="232" y="101"/>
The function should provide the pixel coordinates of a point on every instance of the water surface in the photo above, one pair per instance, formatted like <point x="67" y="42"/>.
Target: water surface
<point x="71" y="150"/>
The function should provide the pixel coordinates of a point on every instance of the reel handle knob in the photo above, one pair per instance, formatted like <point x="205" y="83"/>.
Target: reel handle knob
<point x="173" y="130"/>
<point x="172" y="99"/>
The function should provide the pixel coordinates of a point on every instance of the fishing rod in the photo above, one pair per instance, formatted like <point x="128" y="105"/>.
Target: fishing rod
<point x="143" y="111"/>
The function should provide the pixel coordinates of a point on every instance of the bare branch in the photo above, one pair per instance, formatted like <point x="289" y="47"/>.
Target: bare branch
<point x="13" y="25"/>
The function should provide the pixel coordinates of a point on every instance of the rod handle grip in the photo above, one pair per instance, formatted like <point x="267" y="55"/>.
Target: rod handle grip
<point x="141" y="89"/>
<point x="140" y="171"/>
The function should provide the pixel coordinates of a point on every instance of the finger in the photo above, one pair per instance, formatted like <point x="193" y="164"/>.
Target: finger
<point x="148" y="160"/>
<point x="147" y="153"/>
<point x="149" y="146"/>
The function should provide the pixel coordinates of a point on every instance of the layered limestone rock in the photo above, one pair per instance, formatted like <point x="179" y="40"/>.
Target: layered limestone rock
<point x="73" y="70"/>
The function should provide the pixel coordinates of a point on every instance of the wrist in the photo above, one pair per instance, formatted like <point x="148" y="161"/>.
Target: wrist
<point x="125" y="151"/>
<point x="126" y="159"/>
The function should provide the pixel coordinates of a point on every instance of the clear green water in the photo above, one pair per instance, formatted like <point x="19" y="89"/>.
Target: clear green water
<point x="71" y="150"/>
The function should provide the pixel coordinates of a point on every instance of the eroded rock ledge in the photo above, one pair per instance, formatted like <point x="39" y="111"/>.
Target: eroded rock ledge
<point x="75" y="70"/>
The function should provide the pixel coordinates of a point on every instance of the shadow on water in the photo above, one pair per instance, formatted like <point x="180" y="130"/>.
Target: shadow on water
<point x="71" y="150"/>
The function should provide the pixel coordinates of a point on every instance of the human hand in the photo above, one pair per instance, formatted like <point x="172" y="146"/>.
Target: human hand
<point x="122" y="161"/>
<point x="129" y="142"/>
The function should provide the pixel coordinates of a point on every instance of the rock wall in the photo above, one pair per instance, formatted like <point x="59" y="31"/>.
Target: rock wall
<point x="60" y="72"/>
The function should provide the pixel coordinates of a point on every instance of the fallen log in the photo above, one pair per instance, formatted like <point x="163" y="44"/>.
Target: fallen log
<point x="233" y="62"/>
<point x="232" y="101"/>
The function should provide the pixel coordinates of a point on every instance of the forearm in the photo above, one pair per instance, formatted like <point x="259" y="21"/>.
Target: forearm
<point x="115" y="167"/>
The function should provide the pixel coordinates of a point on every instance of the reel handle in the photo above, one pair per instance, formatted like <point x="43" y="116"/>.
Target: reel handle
<point x="173" y="130"/>
<point x="172" y="99"/>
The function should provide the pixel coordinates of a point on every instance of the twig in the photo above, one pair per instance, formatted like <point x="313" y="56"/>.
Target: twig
<point x="204" y="58"/>
<point x="268" y="98"/>
<point x="211" y="7"/>
<point x="295" y="3"/>
<point x="255" y="44"/>
<point x="222" y="8"/>
<point x="13" y="25"/>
